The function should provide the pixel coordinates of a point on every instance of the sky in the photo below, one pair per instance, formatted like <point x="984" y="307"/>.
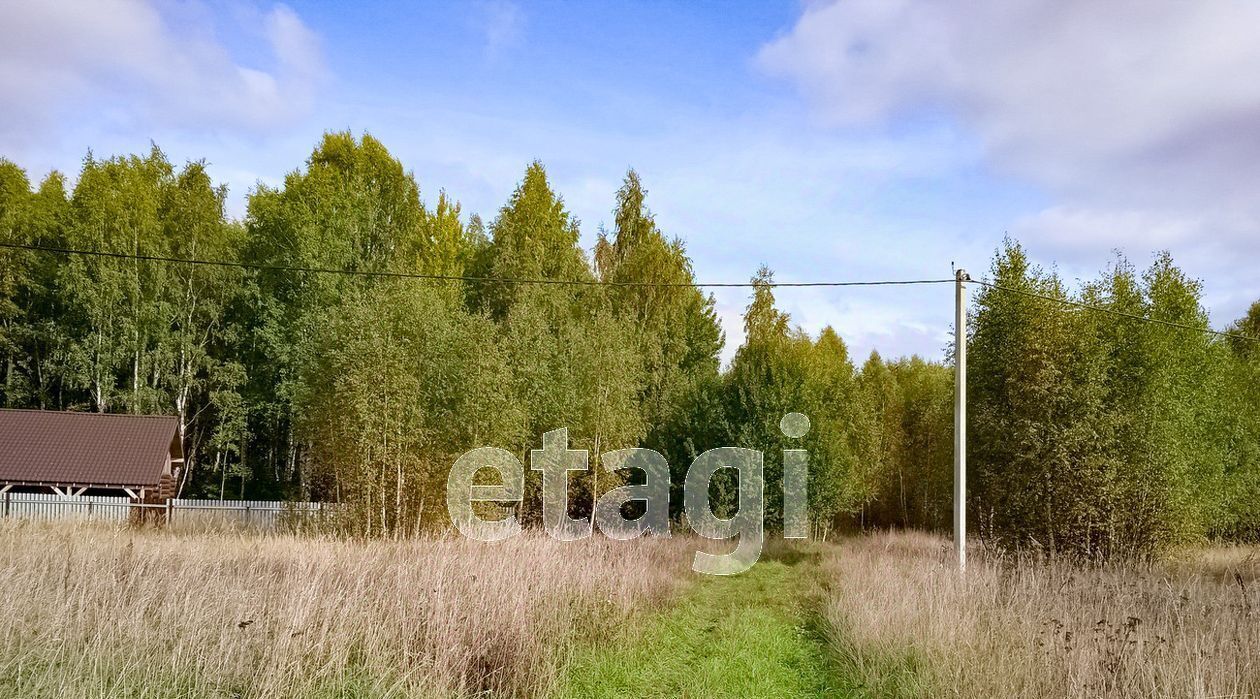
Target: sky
<point x="830" y="140"/>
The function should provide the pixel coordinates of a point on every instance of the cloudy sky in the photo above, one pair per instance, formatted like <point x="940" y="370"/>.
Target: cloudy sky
<point x="848" y="140"/>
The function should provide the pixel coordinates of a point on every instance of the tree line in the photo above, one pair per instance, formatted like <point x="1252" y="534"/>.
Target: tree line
<point x="1090" y="433"/>
<point x="1130" y="428"/>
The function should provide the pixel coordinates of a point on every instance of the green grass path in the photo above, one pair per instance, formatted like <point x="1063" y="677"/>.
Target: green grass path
<point x="749" y="635"/>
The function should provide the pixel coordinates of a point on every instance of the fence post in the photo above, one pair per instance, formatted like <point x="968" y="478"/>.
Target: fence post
<point x="170" y="509"/>
<point x="6" y="503"/>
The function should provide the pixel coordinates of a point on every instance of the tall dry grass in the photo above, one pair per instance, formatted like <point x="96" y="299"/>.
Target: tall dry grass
<point x="92" y="611"/>
<point x="906" y="624"/>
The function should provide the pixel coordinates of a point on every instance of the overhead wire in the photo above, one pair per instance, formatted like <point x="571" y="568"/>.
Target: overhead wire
<point x="599" y="282"/>
<point x="457" y="277"/>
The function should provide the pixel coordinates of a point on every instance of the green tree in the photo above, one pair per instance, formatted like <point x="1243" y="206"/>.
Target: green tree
<point x="533" y="237"/>
<point x="15" y="273"/>
<point x="141" y="336"/>
<point x="1240" y="518"/>
<point x="878" y="436"/>
<point x="354" y="208"/>
<point x="1033" y="406"/>
<point x="919" y="488"/>
<point x="674" y="324"/>
<point x="406" y="381"/>
<point x="763" y="383"/>
<point x="1097" y="433"/>
<point x="575" y="362"/>
<point x="114" y="334"/>
<point x="830" y="401"/>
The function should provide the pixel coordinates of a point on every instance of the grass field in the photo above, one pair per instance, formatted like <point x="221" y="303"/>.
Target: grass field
<point x="905" y="625"/>
<point x="92" y="611"/>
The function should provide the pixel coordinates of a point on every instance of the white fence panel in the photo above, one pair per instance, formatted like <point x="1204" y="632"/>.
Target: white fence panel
<point x="264" y="514"/>
<point x="257" y="513"/>
<point x="52" y="506"/>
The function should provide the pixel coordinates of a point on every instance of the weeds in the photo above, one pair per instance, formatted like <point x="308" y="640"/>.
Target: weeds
<point x="1026" y="627"/>
<point x="97" y="611"/>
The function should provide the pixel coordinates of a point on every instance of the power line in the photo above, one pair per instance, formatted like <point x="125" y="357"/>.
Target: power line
<point x="1122" y="314"/>
<point x="457" y="278"/>
<point x="594" y="282"/>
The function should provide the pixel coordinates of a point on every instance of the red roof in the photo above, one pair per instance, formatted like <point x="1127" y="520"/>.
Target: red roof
<point x="56" y="448"/>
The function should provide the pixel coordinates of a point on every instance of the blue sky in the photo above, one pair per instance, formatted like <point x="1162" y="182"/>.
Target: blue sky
<point x="849" y="140"/>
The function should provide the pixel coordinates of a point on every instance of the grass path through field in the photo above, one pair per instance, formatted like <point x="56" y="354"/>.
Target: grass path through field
<point x="749" y="635"/>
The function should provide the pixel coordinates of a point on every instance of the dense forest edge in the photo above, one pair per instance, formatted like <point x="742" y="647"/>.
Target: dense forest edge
<point x="1090" y="433"/>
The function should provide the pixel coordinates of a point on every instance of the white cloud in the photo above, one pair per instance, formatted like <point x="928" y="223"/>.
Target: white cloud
<point x="503" y="24"/>
<point x="136" y="64"/>
<point x="1068" y="231"/>
<point x="1138" y="118"/>
<point x="1053" y="85"/>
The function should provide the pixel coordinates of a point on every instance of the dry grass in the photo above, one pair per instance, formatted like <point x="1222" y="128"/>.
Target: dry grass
<point x="906" y="625"/>
<point x="91" y="611"/>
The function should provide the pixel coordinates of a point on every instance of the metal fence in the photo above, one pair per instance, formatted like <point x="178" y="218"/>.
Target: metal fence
<point x="49" y="506"/>
<point x="265" y="514"/>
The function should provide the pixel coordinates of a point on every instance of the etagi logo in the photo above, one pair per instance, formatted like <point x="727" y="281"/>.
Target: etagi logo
<point x="555" y="460"/>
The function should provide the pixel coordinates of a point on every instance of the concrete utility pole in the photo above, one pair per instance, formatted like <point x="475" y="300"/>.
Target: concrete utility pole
<point x="960" y="418"/>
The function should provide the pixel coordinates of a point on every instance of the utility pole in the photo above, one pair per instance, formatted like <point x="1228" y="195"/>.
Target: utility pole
<point x="960" y="418"/>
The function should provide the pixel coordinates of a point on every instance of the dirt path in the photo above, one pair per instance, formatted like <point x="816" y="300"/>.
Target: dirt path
<point x="749" y="635"/>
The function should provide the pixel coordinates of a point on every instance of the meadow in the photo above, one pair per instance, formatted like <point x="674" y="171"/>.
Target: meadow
<point x="905" y="624"/>
<point x="98" y="611"/>
<point x="94" y="611"/>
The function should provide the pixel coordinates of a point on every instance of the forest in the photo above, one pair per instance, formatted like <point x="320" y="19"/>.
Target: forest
<point x="1106" y="419"/>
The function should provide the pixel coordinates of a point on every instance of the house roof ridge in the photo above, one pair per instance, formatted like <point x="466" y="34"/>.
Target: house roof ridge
<point x="89" y="412"/>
